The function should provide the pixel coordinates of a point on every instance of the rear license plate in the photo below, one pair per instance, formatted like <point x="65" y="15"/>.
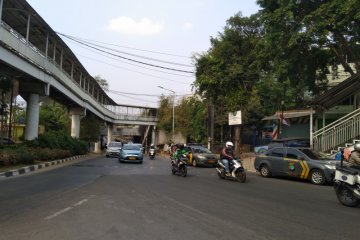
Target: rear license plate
<point x="211" y="161"/>
<point x="132" y="158"/>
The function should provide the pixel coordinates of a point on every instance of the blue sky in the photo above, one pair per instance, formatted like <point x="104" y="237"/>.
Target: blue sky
<point x="166" y="30"/>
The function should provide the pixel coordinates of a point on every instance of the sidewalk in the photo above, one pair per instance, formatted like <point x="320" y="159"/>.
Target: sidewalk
<point x="39" y="166"/>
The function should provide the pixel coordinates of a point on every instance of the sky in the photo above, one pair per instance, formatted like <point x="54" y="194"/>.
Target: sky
<point x="154" y="40"/>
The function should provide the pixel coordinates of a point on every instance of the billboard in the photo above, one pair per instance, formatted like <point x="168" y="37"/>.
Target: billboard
<point x="235" y="118"/>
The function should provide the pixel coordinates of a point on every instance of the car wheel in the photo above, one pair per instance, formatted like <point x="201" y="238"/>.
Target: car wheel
<point x="265" y="171"/>
<point x="194" y="163"/>
<point x="317" y="177"/>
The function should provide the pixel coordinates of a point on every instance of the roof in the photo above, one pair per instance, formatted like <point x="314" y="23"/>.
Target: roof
<point x="338" y="93"/>
<point x="289" y="114"/>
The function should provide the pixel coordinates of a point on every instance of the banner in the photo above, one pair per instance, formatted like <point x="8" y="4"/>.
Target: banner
<point x="235" y="118"/>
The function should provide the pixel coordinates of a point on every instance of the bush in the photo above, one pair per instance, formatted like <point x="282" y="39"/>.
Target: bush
<point x="48" y="146"/>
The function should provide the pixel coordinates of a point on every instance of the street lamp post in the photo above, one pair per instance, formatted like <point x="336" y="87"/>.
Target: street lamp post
<point x="173" y="117"/>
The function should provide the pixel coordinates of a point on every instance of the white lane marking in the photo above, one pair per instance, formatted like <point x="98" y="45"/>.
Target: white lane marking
<point x="62" y="211"/>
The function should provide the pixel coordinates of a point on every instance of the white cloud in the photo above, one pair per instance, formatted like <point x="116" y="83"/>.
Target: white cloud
<point x="187" y="27"/>
<point x="129" y="26"/>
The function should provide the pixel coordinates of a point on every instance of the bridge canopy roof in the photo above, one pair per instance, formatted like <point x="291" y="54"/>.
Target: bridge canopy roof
<point x="338" y="93"/>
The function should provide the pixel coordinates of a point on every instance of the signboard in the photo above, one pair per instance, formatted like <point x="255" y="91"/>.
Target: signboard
<point x="235" y="118"/>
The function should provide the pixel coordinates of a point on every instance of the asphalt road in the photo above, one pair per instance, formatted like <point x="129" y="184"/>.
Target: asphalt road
<point x="103" y="199"/>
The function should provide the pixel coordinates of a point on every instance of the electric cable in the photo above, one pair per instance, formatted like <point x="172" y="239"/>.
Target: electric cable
<point x="131" y="54"/>
<point x="129" y="59"/>
<point x="137" y="49"/>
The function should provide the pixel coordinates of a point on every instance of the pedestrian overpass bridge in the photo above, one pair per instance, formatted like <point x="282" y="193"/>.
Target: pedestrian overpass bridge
<point x="41" y="65"/>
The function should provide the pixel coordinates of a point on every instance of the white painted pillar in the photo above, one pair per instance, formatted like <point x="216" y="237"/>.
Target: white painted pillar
<point x="76" y="115"/>
<point x="153" y="136"/>
<point x="109" y="133"/>
<point x="32" y="117"/>
<point x="75" y="125"/>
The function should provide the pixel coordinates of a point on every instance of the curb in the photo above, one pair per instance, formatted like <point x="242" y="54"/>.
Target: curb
<point x="35" y="167"/>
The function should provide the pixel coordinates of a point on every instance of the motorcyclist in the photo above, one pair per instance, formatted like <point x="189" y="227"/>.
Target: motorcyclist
<point x="152" y="147"/>
<point x="354" y="159"/>
<point x="180" y="150"/>
<point x="227" y="154"/>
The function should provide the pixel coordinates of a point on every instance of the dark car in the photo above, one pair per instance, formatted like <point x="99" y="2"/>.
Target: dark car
<point x="290" y="142"/>
<point x="303" y="163"/>
<point x="131" y="153"/>
<point x="284" y="142"/>
<point x="202" y="156"/>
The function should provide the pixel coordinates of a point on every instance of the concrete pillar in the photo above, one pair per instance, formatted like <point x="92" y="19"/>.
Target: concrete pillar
<point x="75" y="126"/>
<point x="32" y="116"/>
<point x="109" y="133"/>
<point x="153" y="136"/>
<point x="76" y="115"/>
<point x="97" y="148"/>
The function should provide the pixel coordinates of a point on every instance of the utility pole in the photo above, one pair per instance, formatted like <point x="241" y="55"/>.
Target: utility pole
<point x="210" y="111"/>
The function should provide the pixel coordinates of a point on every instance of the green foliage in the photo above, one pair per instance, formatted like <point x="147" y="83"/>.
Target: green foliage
<point x="102" y="82"/>
<point x="304" y="38"/>
<point x="59" y="140"/>
<point x="54" y="117"/>
<point x="190" y="117"/>
<point x="90" y="128"/>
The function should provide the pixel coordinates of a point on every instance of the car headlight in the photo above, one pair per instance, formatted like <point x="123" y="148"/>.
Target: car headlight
<point x="330" y="166"/>
<point x="201" y="157"/>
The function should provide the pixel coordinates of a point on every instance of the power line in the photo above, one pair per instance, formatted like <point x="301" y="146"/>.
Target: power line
<point x="146" y="74"/>
<point x="129" y="59"/>
<point x="111" y="44"/>
<point x="143" y="94"/>
<point x="131" y="54"/>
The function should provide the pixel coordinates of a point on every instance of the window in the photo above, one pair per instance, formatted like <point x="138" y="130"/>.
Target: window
<point x="292" y="153"/>
<point x="277" y="152"/>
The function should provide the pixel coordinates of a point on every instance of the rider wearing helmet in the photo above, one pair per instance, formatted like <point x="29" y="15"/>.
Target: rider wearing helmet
<point x="151" y="147"/>
<point x="227" y="154"/>
<point x="354" y="159"/>
<point x="179" y="151"/>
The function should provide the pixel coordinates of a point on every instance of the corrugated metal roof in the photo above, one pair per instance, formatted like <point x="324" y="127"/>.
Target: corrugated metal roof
<point x="339" y="93"/>
<point x="290" y="114"/>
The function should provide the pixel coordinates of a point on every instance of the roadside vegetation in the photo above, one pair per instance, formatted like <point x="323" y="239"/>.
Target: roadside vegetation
<point x="49" y="146"/>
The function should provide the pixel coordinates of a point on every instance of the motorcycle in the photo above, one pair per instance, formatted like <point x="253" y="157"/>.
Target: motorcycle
<point x="152" y="153"/>
<point x="181" y="167"/>
<point x="237" y="170"/>
<point x="347" y="185"/>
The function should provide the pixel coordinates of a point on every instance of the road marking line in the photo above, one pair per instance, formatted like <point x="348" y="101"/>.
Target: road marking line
<point x="62" y="211"/>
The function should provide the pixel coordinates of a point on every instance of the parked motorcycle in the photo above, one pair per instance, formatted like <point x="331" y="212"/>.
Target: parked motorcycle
<point x="180" y="168"/>
<point x="347" y="185"/>
<point x="237" y="170"/>
<point x="152" y="153"/>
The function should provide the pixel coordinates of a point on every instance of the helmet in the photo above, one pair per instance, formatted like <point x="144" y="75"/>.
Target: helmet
<point x="229" y="144"/>
<point x="152" y="145"/>
<point x="357" y="147"/>
<point x="180" y="145"/>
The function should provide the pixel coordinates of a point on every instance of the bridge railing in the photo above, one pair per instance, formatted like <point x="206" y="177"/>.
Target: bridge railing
<point x="19" y="43"/>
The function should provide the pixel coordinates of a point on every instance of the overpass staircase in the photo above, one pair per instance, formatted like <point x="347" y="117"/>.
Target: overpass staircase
<point x="341" y="133"/>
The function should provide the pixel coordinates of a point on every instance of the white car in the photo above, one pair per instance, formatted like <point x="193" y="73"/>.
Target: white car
<point x="113" y="149"/>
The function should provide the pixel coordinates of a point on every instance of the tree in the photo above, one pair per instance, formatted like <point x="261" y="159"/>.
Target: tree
<point x="190" y="117"/>
<point x="102" y="82"/>
<point x="54" y="117"/>
<point x="304" y="37"/>
<point x="228" y="73"/>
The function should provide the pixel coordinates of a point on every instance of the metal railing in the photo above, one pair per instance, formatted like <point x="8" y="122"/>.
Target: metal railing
<point x="337" y="133"/>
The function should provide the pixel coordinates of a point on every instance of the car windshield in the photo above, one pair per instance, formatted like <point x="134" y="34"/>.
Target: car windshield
<point x="315" y="154"/>
<point x="201" y="150"/>
<point x="115" y="144"/>
<point x="131" y="147"/>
